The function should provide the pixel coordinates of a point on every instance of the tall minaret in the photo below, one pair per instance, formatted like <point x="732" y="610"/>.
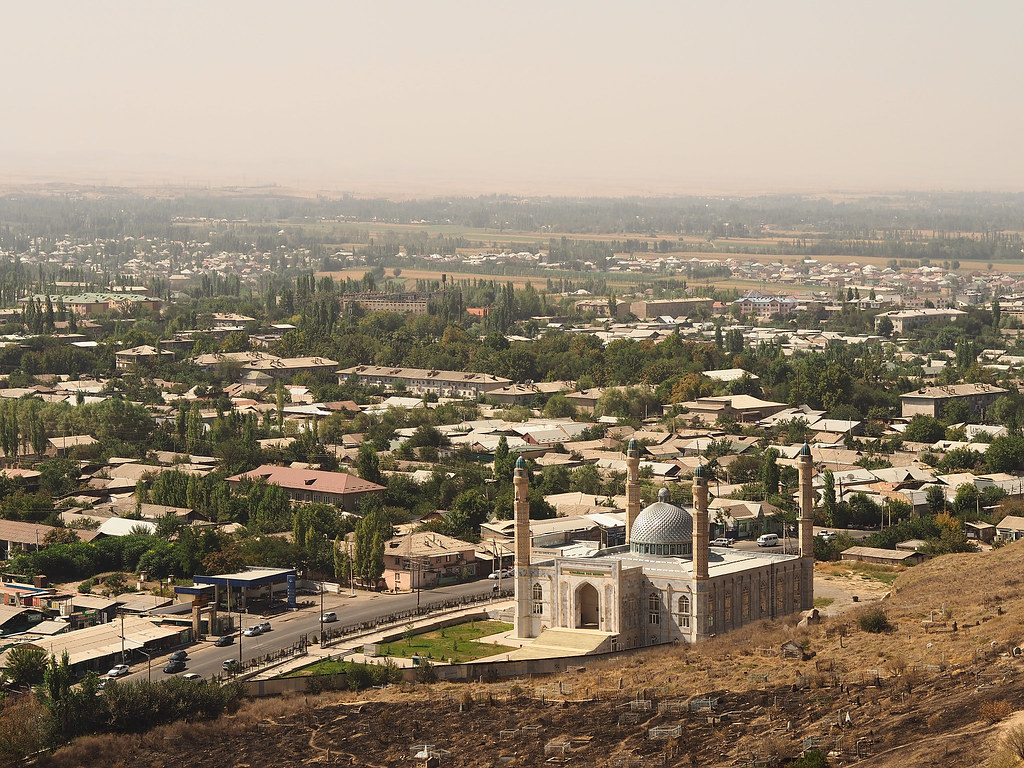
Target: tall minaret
<point x="632" y="487"/>
<point x="521" y="482"/>
<point x="805" y="521"/>
<point x="700" y="549"/>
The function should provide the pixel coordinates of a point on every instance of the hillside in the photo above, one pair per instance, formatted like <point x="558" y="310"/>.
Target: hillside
<point x="907" y="697"/>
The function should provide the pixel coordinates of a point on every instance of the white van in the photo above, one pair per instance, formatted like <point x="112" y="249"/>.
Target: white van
<point x="768" y="540"/>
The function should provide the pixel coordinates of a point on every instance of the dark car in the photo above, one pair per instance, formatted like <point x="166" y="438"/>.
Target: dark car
<point x="223" y="640"/>
<point x="179" y="656"/>
<point x="174" y="666"/>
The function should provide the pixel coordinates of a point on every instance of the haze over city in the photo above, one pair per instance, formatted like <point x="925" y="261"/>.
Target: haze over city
<point x="566" y="98"/>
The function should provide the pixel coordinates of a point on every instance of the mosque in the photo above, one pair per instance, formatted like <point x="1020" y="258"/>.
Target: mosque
<point x="666" y="584"/>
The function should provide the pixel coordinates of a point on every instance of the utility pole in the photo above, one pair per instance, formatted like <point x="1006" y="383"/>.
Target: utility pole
<point x="322" y="643"/>
<point x="122" y="636"/>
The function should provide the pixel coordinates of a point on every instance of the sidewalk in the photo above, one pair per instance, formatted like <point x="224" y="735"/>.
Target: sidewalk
<point x="351" y="648"/>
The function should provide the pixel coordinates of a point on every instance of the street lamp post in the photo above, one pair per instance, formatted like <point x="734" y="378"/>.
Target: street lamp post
<point x="322" y="643"/>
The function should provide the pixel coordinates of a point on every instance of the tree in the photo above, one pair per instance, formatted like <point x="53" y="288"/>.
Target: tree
<point x="368" y="464"/>
<point x="936" y="498"/>
<point x="504" y="464"/>
<point x="1005" y="454"/>
<point x="885" y="327"/>
<point x="924" y="429"/>
<point x="26" y="664"/>
<point x="469" y="511"/>
<point x="828" y="498"/>
<point x="559" y="406"/>
<point x="371" y="534"/>
<point x="770" y="473"/>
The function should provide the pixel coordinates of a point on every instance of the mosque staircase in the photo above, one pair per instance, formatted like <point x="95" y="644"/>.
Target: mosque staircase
<point x="558" y="641"/>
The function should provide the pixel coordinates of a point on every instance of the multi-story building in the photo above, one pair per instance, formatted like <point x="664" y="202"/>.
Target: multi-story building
<point x="425" y="560"/>
<point x="907" y="319"/>
<point x="932" y="401"/>
<point x="421" y="381"/>
<point x="312" y="485"/>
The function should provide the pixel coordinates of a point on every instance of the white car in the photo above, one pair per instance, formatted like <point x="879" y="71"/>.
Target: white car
<point x="722" y="542"/>
<point x="252" y="631"/>
<point x="119" y="671"/>
<point x="329" y="617"/>
<point x="828" y="535"/>
<point x="191" y="676"/>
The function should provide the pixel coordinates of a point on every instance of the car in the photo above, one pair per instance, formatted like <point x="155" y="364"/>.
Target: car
<point x="828" y="535"/>
<point x="253" y="631"/>
<point x="223" y="640"/>
<point x="329" y="617"/>
<point x="721" y="542"/>
<point x="179" y="656"/>
<point x="174" y="666"/>
<point x="230" y="665"/>
<point x="103" y="682"/>
<point x="264" y="626"/>
<point x="496" y="575"/>
<point x="118" y="670"/>
<point x="191" y="676"/>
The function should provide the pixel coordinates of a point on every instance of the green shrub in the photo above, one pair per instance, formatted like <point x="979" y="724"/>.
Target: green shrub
<point x="875" y="621"/>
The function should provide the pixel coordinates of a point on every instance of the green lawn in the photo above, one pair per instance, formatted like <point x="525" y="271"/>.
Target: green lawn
<point x="323" y="667"/>
<point x="823" y="602"/>
<point x="456" y="643"/>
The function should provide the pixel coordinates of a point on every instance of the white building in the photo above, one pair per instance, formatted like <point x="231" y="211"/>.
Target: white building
<point x="666" y="584"/>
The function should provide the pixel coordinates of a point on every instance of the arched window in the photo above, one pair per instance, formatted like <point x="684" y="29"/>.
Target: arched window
<point x="745" y="601"/>
<point x="684" y="611"/>
<point x="728" y="607"/>
<point x="654" y="608"/>
<point x="796" y="589"/>
<point x="538" y="599"/>
<point x="764" y="597"/>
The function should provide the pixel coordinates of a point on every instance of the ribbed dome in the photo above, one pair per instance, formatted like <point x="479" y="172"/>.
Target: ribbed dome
<point x="662" y="529"/>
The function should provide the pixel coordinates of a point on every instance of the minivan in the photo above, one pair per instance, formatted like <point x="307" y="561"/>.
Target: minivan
<point x="768" y="540"/>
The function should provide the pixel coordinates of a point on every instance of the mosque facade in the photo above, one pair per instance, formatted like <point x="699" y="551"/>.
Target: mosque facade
<point x="666" y="584"/>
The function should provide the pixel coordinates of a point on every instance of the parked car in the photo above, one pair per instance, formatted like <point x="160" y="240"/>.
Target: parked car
<point x="264" y="626"/>
<point x="179" y="656"/>
<point x="496" y="575"/>
<point x="253" y="631"/>
<point x="223" y="640"/>
<point x="119" y="670"/>
<point x="230" y="665"/>
<point x="174" y="666"/>
<point x="103" y="682"/>
<point x="328" y="617"/>
<point x="722" y="542"/>
<point x="191" y="676"/>
<point x="768" y="540"/>
<point x="828" y="535"/>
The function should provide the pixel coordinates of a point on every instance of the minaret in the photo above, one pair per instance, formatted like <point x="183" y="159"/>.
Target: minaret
<point x="521" y="483"/>
<point x="700" y="550"/>
<point x="805" y="521"/>
<point x="632" y="487"/>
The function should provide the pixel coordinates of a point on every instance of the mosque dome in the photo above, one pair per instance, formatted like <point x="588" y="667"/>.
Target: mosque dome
<point x="662" y="529"/>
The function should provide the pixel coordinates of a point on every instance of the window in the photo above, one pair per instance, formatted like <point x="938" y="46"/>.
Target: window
<point x="796" y="590"/>
<point x="728" y="607"/>
<point x="538" y="599"/>
<point x="764" y="597"/>
<point x="684" y="611"/>
<point x="745" y="601"/>
<point x="654" y="608"/>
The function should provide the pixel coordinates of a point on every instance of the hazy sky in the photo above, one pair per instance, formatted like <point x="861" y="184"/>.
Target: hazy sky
<point x="561" y="97"/>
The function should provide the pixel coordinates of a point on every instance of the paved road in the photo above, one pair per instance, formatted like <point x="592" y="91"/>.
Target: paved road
<point x="207" y="659"/>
